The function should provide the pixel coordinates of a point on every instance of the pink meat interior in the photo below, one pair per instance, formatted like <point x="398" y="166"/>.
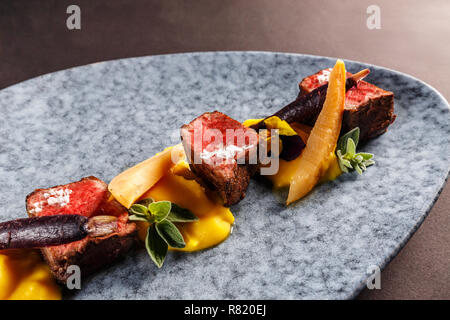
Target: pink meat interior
<point x="353" y="98"/>
<point x="215" y="135"/>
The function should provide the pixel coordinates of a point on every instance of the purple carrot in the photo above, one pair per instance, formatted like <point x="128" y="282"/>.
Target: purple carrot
<point x="53" y="230"/>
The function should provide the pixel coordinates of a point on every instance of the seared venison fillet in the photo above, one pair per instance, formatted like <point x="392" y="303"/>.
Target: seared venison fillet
<point x="88" y="197"/>
<point x="366" y="106"/>
<point x="222" y="154"/>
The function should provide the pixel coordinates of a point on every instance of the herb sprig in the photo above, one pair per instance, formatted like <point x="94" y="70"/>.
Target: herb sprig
<point x="348" y="159"/>
<point x="162" y="231"/>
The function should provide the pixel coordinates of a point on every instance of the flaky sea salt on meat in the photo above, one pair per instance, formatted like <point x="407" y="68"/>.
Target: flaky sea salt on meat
<point x="53" y="197"/>
<point x="59" y="196"/>
<point x="228" y="152"/>
<point x="322" y="78"/>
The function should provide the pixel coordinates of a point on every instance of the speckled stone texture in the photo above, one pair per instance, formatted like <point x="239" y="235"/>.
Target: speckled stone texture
<point x="102" y="118"/>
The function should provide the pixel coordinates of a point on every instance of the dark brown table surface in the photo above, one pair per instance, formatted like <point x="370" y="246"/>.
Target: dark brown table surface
<point x="414" y="38"/>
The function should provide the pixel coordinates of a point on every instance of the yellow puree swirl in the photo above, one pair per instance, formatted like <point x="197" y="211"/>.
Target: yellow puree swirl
<point x="24" y="276"/>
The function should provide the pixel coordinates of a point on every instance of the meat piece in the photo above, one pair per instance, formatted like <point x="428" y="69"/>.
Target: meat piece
<point x="91" y="253"/>
<point x="307" y="106"/>
<point x="88" y="197"/>
<point x="222" y="154"/>
<point x="366" y="106"/>
<point x="316" y="80"/>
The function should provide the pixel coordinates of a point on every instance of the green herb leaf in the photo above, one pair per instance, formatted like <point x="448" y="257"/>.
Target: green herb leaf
<point x="138" y="218"/>
<point x="138" y="209"/>
<point x="346" y="154"/>
<point x="161" y="233"/>
<point x="351" y="148"/>
<point x="146" y="202"/>
<point x="171" y="235"/>
<point x="179" y="214"/>
<point x="353" y="134"/>
<point x="365" y="156"/>
<point x="160" y="209"/>
<point x="341" y="160"/>
<point x="156" y="247"/>
<point x="358" y="158"/>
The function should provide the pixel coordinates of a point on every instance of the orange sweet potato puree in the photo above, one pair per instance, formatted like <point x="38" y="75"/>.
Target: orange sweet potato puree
<point x="214" y="220"/>
<point x="24" y="276"/>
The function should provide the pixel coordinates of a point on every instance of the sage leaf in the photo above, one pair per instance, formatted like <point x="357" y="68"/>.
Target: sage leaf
<point x="340" y="161"/>
<point x="351" y="148"/>
<point x="347" y="157"/>
<point x="146" y="202"/>
<point x="353" y="134"/>
<point x="138" y="209"/>
<point x="137" y="218"/>
<point x="365" y="155"/>
<point x="179" y="214"/>
<point x="160" y="209"/>
<point x="369" y="162"/>
<point x="156" y="247"/>
<point x="358" y="158"/>
<point x="347" y="164"/>
<point x="171" y="235"/>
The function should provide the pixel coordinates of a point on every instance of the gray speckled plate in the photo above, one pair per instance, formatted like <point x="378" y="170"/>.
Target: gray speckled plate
<point x="102" y="118"/>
